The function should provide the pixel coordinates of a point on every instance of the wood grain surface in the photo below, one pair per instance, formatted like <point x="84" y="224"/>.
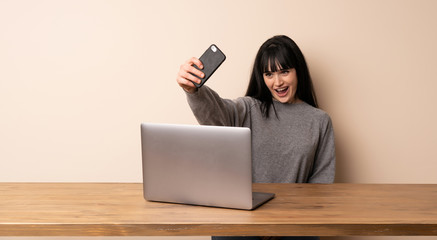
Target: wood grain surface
<point x="118" y="209"/>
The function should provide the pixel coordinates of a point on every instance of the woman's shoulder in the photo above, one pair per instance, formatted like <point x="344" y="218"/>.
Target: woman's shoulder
<point x="314" y="113"/>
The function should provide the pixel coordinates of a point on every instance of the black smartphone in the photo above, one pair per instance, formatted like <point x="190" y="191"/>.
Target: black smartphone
<point x="211" y="59"/>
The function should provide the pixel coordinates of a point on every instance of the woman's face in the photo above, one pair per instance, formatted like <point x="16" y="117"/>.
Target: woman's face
<point x="282" y="84"/>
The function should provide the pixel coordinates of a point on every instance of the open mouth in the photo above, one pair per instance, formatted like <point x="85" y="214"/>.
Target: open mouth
<point x="281" y="92"/>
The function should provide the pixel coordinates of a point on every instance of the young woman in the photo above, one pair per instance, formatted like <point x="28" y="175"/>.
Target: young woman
<point x="292" y="140"/>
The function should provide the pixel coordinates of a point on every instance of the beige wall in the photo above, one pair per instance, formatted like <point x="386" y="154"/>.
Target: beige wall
<point x="78" y="77"/>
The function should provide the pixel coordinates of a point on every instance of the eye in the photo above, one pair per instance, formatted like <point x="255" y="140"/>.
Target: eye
<point x="285" y="72"/>
<point x="268" y="74"/>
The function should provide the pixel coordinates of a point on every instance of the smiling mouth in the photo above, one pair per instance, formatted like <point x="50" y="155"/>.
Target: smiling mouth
<point x="281" y="92"/>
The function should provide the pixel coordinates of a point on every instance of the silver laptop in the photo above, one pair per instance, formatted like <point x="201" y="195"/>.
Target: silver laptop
<point x="199" y="165"/>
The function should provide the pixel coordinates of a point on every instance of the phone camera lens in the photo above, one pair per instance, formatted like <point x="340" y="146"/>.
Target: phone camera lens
<point x="213" y="48"/>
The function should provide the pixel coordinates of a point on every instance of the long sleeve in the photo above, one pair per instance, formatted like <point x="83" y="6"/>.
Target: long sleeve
<point x="210" y="109"/>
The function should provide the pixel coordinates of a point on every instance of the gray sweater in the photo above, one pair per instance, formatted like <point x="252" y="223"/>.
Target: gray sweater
<point x="295" y="147"/>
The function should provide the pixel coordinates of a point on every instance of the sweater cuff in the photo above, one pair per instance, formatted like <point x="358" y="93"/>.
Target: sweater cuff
<point x="197" y="94"/>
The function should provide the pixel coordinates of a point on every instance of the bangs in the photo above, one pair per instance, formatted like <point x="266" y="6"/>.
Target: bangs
<point x="274" y="59"/>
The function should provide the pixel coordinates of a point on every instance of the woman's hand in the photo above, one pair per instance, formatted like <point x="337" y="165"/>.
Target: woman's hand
<point x="185" y="78"/>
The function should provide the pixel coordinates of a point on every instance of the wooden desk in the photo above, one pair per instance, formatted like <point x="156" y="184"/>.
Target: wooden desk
<point x="112" y="209"/>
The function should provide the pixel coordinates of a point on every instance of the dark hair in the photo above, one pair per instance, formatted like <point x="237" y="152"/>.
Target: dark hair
<point x="280" y="51"/>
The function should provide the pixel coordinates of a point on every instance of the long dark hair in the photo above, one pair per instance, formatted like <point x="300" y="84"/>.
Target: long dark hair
<point x="280" y="51"/>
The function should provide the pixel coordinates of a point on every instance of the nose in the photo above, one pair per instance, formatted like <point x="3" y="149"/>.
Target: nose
<point x="278" y="79"/>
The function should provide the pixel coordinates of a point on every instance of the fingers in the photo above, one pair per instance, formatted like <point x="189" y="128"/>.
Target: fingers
<point x="187" y="85"/>
<point x="197" y="62"/>
<point x="185" y="77"/>
<point x="188" y="66"/>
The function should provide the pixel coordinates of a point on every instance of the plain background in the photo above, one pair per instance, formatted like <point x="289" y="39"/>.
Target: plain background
<point x="78" y="77"/>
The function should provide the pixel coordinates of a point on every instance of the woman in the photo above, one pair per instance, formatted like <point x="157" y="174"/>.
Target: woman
<point x="292" y="140"/>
